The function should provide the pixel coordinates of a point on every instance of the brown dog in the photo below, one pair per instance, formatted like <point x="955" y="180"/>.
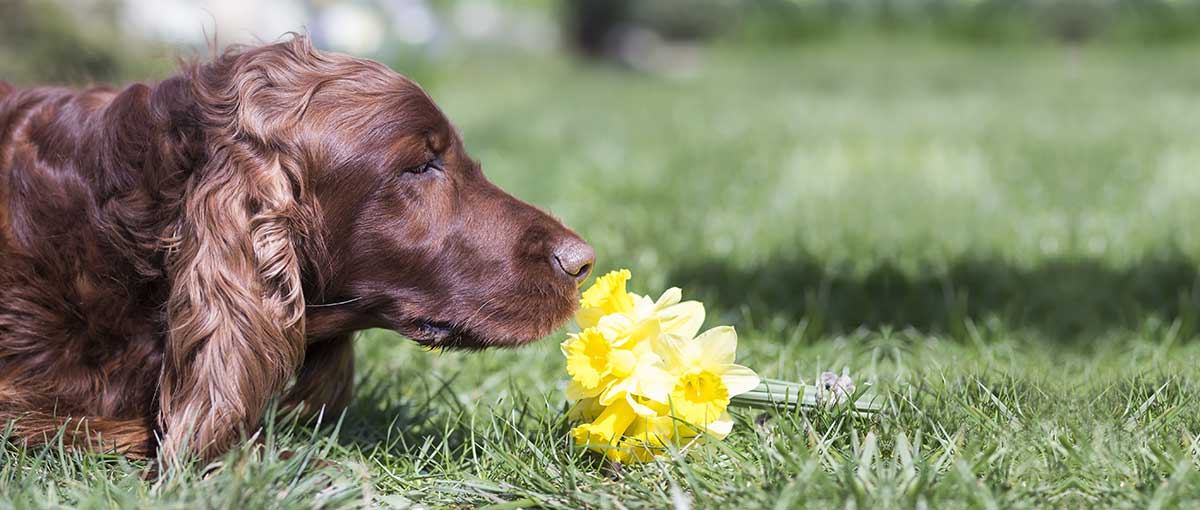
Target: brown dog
<point x="173" y="256"/>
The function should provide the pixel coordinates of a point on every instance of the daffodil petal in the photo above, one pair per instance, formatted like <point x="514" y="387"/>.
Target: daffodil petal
<point x="654" y="383"/>
<point x="644" y="330"/>
<point x="643" y="307"/>
<point x="614" y="324"/>
<point x="720" y="427"/>
<point x="644" y="347"/>
<point x="671" y="349"/>
<point x="739" y="379"/>
<point x="576" y="391"/>
<point x="608" y="293"/>
<point x="717" y="345"/>
<point x="653" y="429"/>
<point x="683" y="319"/>
<point x="617" y="390"/>
<point x="586" y="410"/>
<point x="668" y="298"/>
<point x="639" y="408"/>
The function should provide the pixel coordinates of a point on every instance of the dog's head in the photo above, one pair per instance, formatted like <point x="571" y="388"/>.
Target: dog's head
<point x="361" y="194"/>
<point x="420" y="238"/>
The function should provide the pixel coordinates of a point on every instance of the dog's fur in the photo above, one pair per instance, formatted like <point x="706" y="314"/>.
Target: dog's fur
<point x="173" y="256"/>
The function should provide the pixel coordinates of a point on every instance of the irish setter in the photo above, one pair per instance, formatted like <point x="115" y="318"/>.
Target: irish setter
<point x="175" y="255"/>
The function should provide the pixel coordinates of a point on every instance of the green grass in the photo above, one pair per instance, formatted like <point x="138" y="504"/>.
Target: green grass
<point x="999" y="240"/>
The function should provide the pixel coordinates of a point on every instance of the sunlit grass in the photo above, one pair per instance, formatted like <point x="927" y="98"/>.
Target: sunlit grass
<point x="999" y="240"/>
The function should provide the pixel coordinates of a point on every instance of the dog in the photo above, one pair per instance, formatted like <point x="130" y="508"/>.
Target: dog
<point x="174" y="256"/>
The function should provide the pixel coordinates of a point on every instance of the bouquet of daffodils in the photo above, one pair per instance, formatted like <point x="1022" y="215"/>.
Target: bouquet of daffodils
<point x="644" y="377"/>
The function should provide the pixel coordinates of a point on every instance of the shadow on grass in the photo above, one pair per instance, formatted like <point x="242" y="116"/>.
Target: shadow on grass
<point x="382" y="419"/>
<point x="1065" y="298"/>
<point x="428" y="420"/>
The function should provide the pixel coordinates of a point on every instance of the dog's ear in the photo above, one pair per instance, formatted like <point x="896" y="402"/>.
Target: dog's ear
<point x="236" y="307"/>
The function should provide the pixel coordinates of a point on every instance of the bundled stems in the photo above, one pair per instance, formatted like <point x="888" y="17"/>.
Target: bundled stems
<point x="774" y="394"/>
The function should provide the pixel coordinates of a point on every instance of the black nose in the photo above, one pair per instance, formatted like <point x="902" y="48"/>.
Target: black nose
<point x="574" y="257"/>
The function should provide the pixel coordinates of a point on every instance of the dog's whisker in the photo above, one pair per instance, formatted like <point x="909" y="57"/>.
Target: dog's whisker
<point x="323" y="305"/>
<point x="482" y="320"/>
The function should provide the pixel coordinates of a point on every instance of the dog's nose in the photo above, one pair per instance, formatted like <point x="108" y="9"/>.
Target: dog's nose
<point x="574" y="257"/>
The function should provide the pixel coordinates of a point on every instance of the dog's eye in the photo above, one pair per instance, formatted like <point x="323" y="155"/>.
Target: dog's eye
<point x="434" y="164"/>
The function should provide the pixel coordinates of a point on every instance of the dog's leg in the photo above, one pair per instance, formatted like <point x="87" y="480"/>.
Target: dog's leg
<point x="325" y="383"/>
<point x="130" y="437"/>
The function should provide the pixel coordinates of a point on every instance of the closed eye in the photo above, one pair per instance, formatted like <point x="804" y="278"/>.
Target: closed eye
<point x="433" y="164"/>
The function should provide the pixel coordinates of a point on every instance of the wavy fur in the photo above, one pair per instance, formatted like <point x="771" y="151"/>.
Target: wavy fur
<point x="160" y="246"/>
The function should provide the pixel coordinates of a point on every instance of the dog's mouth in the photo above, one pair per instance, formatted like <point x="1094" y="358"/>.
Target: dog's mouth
<point x="480" y="327"/>
<point x="443" y="334"/>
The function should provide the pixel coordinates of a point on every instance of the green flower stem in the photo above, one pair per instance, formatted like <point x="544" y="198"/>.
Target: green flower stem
<point x="773" y="394"/>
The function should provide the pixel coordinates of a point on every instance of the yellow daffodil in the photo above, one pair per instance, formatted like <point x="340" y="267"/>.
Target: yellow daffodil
<point x="641" y="377"/>
<point x="615" y="363"/>
<point x="647" y="380"/>
<point x="591" y="359"/>
<point x="626" y="330"/>
<point x="606" y="296"/>
<point x="612" y="358"/>
<point x="585" y="409"/>
<point x="605" y="433"/>
<point x="643" y="438"/>
<point x="705" y="377"/>
<point x="648" y="435"/>
<point x="682" y="319"/>
<point x="636" y="368"/>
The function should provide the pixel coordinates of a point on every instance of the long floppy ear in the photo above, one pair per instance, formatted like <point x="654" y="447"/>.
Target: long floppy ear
<point x="236" y="305"/>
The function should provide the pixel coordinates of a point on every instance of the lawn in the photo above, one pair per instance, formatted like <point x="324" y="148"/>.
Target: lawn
<point x="999" y="240"/>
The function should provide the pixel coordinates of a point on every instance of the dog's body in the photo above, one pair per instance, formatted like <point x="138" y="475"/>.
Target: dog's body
<point x="173" y="256"/>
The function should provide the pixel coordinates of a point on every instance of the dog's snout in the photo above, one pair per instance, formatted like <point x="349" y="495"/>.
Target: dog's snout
<point x="574" y="258"/>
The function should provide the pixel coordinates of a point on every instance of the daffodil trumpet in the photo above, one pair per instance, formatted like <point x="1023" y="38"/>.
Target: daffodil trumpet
<point x="645" y="378"/>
